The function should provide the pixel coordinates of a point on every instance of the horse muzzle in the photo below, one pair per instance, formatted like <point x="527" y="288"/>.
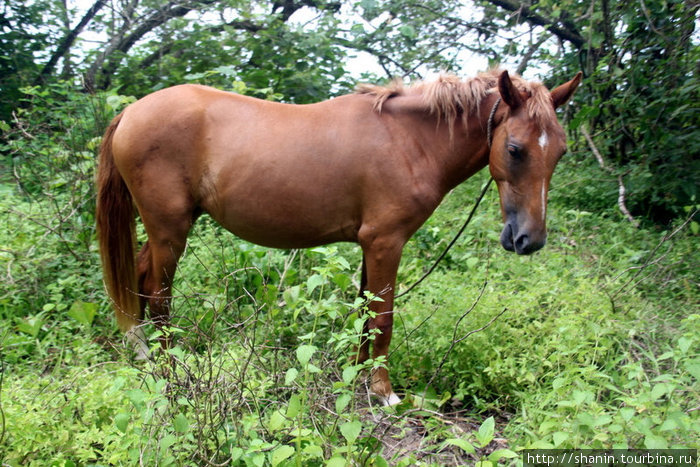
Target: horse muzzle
<point x="522" y="241"/>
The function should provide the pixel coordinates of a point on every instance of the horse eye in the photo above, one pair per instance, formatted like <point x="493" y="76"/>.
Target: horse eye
<point x="514" y="151"/>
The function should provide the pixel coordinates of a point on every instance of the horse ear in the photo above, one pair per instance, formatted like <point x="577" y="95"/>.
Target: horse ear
<point x="563" y="93"/>
<point x="509" y="93"/>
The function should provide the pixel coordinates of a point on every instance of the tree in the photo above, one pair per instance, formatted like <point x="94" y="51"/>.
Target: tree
<point x="20" y="39"/>
<point x="641" y="90"/>
<point x="639" y="57"/>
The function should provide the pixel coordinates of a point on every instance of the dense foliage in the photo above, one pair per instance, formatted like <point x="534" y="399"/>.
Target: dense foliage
<point x="638" y="102"/>
<point x="593" y="342"/>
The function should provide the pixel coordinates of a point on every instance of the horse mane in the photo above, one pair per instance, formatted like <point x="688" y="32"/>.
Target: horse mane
<point x="448" y="95"/>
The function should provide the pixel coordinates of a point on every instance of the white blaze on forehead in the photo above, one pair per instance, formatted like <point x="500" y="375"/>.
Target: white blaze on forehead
<point x="544" y="200"/>
<point x="544" y="140"/>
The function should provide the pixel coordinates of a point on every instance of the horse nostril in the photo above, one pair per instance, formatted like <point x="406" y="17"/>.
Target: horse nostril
<point x="521" y="244"/>
<point x="507" y="237"/>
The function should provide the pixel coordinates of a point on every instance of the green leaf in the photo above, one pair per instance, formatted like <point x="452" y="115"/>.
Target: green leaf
<point x="177" y="352"/>
<point x="167" y="441"/>
<point x="351" y="430"/>
<point x="499" y="454"/>
<point x="368" y="4"/>
<point x="314" y="450"/>
<point x="627" y="413"/>
<point x="313" y="282"/>
<point x="652" y="441"/>
<point x="193" y="77"/>
<point x="693" y="367"/>
<point x="695" y="227"/>
<point x="379" y="461"/>
<point x="114" y="102"/>
<point x="559" y="437"/>
<point x="181" y="424"/>
<point x="485" y="434"/>
<point x="349" y="374"/>
<point x="305" y="352"/>
<point x="31" y="325"/>
<point x="226" y="70"/>
<point x="658" y="391"/>
<point x="357" y="29"/>
<point x="684" y="344"/>
<point x="277" y="421"/>
<point x="336" y="462"/>
<point x="407" y="31"/>
<point x="342" y="262"/>
<point x="280" y="454"/>
<point x="342" y="402"/>
<point x="290" y="376"/>
<point x="121" y="421"/>
<point x="461" y="443"/>
<point x="83" y="312"/>
<point x="236" y="453"/>
<point x="258" y="459"/>
<point x="291" y="295"/>
<point x="136" y="396"/>
<point x="299" y="432"/>
<point x="294" y="406"/>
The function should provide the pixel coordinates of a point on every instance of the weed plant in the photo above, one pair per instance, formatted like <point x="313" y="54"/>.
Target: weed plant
<point x="592" y="342"/>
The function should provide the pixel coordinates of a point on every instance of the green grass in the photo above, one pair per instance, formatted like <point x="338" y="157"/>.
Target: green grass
<point x="592" y="342"/>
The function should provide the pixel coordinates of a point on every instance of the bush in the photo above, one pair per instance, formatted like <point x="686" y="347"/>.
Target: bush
<point x="589" y="343"/>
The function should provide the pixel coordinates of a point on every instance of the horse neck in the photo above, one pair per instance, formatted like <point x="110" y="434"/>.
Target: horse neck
<point x="463" y="151"/>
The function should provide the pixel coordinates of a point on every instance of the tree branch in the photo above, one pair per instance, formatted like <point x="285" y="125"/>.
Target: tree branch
<point x="526" y="13"/>
<point x="530" y="52"/>
<point x="165" y="49"/>
<point x="67" y="41"/>
<point x="158" y="18"/>
<point x="622" y="191"/>
<point x="383" y="58"/>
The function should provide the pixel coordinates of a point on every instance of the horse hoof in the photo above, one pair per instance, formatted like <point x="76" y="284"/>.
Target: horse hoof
<point x="137" y="339"/>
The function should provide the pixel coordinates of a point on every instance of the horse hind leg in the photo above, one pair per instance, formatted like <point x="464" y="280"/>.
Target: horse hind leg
<point x="157" y="263"/>
<point x="136" y="335"/>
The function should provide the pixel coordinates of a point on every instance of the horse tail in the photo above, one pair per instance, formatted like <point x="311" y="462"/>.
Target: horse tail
<point x="116" y="235"/>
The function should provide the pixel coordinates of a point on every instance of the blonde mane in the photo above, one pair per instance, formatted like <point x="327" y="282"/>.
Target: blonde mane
<point x="449" y="96"/>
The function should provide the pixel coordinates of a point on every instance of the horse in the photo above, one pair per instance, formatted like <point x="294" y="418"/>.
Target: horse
<point x="368" y="167"/>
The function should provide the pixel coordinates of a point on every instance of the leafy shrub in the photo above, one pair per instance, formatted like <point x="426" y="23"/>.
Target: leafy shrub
<point x="589" y="343"/>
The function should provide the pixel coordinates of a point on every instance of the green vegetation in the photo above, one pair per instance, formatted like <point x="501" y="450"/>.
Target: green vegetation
<point x="592" y="342"/>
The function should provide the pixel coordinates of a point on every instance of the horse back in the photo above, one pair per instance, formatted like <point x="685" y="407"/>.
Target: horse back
<point x="276" y="174"/>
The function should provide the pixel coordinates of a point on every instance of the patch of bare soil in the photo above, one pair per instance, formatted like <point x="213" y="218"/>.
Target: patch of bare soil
<point x="409" y="432"/>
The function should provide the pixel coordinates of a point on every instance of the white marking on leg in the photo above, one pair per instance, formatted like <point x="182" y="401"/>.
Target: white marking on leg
<point x="544" y="140"/>
<point x="137" y="338"/>
<point x="393" y="399"/>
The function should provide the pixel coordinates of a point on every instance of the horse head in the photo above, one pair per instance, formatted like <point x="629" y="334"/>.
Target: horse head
<point x="528" y="141"/>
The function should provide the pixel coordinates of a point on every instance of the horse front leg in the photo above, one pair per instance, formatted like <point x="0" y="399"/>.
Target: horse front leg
<point x="382" y="257"/>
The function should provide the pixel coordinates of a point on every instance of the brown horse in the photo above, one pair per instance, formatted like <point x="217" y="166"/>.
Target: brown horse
<point x="369" y="168"/>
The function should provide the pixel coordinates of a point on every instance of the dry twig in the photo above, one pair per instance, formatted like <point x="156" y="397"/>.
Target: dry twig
<point x="622" y="191"/>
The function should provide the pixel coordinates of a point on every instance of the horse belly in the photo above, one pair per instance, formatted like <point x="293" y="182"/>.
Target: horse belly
<point x="276" y="214"/>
